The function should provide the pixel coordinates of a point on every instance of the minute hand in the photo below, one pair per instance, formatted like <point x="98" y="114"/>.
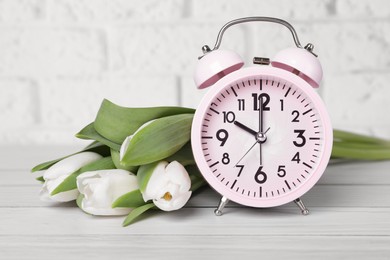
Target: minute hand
<point x="245" y="128"/>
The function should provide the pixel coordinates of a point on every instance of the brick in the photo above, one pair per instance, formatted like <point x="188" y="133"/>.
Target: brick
<point x="287" y="9"/>
<point x="343" y="47"/>
<point x="358" y="99"/>
<point x="363" y="9"/>
<point x="145" y="10"/>
<point x="18" y="104"/>
<point x="61" y="52"/>
<point x="166" y="49"/>
<point x="77" y="11"/>
<point x="21" y="11"/>
<point x="76" y="102"/>
<point x="116" y="11"/>
<point x="190" y="95"/>
<point x="43" y="135"/>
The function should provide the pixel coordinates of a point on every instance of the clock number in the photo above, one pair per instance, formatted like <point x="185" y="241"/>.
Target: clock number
<point x="256" y="101"/>
<point x="241" y="104"/>
<point x="300" y="135"/>
<point x="296" y="158"/>
<point x="282" y="171"/>
<point x="260" y="176"/>
<point x="222" y="136"/>
<point x="296" y="114"/>
<point x="240" y="171"/>
<point x="229" y="117"/>
<point x="281" y="105"/>
<point x="225" y="158"/>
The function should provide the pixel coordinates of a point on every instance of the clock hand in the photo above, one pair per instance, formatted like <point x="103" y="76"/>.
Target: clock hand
<point x="261" y="115"/>
<point x="260" y="135"/>
<point x="259" y="139"/>
<point x="246" y="153"/>
<point x="245" y="128"/>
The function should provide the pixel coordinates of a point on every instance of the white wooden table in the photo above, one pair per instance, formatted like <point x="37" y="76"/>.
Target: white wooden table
<point x="350" y="219"/>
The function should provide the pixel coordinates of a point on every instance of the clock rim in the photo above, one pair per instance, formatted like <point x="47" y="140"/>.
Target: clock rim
<point x="204" y="167"/>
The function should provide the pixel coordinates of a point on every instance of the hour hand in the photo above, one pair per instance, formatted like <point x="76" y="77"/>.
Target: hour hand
<point x="245" y="128"/>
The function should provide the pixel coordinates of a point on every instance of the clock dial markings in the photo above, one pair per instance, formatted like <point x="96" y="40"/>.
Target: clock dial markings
<point x="308" y="111"/>
<point x="234" y="183"/>
<point x="288" y="91"/>
<point x="234" y="92"/>
<point x="243" y="176"/>
<point x="288" y="185"/>
<point x="307" y="165"/>
<point x="211" y="166"/>
<point x="215" y="111"/>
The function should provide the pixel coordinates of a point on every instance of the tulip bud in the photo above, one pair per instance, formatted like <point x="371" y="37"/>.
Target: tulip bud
<point x="168" y="184"/>
<point x="156" y="140"/>
<point x="101" y="188"/>
<point x="59" y="171"/>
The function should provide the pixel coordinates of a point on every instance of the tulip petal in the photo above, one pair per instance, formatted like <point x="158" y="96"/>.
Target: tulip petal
<point x="70" y="182"/>
<point x="95" y="147"/>
<point x="102" y="188"/>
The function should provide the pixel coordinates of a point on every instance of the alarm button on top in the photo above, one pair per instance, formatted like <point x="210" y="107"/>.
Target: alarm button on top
<point x="214" y="65"/>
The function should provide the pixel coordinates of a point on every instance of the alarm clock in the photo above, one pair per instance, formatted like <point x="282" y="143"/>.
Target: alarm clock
<point x="261" y="136"/>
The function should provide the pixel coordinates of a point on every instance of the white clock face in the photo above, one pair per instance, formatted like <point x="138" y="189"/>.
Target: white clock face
<point x="261" y="138"/>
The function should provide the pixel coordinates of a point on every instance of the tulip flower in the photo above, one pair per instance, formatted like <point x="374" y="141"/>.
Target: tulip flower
<point x="168" y="185"/>
<point x="99" y="189"/>
<point x="59" y="171"/>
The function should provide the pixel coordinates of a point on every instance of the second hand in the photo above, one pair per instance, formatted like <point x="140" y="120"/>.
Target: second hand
<point x="251" y="148"/>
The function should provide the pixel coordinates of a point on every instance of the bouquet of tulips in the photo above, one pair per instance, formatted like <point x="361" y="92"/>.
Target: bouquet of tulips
<point x="141" y="159"/>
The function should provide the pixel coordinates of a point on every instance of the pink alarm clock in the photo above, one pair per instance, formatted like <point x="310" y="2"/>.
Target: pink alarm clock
<point x="261" y="135"/>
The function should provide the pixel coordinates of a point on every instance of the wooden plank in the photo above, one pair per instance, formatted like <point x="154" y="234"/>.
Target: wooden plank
<point x="26" y="157"/>
<point x="357" y="172"/>
<point x="319" y="196"/>
<point x="200" y="221"/>
<point x="194" y="247"/>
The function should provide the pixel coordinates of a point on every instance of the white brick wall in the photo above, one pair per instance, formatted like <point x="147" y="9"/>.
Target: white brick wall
<point x="60" y="58"/>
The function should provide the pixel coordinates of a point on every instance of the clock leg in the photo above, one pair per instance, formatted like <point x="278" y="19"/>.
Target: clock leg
<point x="302" y="206"/>
<point x="221" y="206"/>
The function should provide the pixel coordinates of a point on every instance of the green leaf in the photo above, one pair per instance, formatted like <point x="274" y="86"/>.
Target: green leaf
<point x="355" y="151"/>
<point x="95" y="147"/>
<point x="90" y="133"/>
<point x="116" y="123"/>
<point x="41" y="179"/>
<point x="144" y="174"/>
<point x="135" y="213"/>
<point x="184" y="156"/>
<point x="131" y="199"/>
<point x="70" y="182"/>
<point x="160" y="139"/>
<point x="339" y="135"/>
<point x="119" y="165"/>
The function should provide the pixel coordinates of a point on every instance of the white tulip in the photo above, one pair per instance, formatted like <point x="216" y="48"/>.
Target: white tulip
<point x="59" y="171"/>
<point x="101" y="188"/>
<point x="169" y="186"/>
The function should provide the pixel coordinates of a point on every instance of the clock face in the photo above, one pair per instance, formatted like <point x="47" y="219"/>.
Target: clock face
<point x="262" y="140"/>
